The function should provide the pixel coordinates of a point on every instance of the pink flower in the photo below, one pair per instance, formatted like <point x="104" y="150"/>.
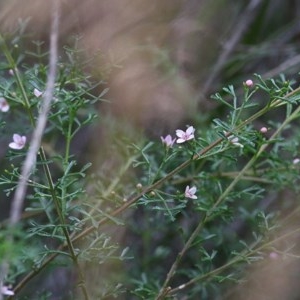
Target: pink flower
<point x="184" y="136"/>
<point x="296" y="161"/>
<point x="249" y="83"/>
<point x="274" y="255"/>
<point x="37" y="93"/>
<point x="4" y="107"/>
<point x="264" y="130"/>
<point x="18" y="142"/>
<point x="190" y="192"/>
<point x="6" y="291"/>
<point x="168" y="141"/>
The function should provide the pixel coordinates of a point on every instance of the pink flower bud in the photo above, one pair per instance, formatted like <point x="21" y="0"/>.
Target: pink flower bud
<point x="249" y="83"/>
<point x="4" y="107"/>
<point x="168" y="141"/>
<point x="263" y="129"/>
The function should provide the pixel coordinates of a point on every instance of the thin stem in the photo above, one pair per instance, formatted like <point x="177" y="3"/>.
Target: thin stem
<point x="244" y="254"/>
<point x="16" y="208"/>
<point x="133" y="199"/>
<point x="208" y="214"/>
<point x="20" y="85"/>
<point x="165" y="289"/>
<point x="69" y="137"/>
<point x="116" y="212"/>
<point x="254" y="158"/>
<point x="30" y="160"/>
<point x="115" y="181"/>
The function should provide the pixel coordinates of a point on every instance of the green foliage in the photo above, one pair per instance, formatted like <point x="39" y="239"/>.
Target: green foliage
<point x="174" y="245"/>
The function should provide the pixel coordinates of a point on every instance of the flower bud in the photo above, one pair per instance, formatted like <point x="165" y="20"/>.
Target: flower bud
<point x="263" y="129"/>
<point x="249" y="83"/>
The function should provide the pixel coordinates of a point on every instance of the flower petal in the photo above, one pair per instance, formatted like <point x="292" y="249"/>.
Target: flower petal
<point x="17" y="138"/>
<point x="37" y="93"/>
<point x="14" y="145"/>
<point x="193" y="190"/>
<point x="190" y="130"/>
<point x="180" y="133"/>
<point x="189" y="137"/>
<point x="180" y="141"/>
<point x="168" y="141"/>
<point x="6" y="291"/>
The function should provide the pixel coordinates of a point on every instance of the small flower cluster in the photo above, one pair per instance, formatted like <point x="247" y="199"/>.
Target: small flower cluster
<point x="182" y="136"/>
<point x="18" y="140"/>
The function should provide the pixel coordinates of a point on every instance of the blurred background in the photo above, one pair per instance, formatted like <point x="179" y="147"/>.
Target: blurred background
<point x="163" y="59"/>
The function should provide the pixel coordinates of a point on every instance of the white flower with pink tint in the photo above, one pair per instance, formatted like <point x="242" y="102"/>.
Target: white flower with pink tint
<point x="296" y="161"/>
<point x="6" y="291"/>
<point x="37" y="93"/>
<point x="4" y="107"/>
<point x="235" y="141"/>
<point x="190" y="192"/>
<point x="168" y="141"/>
<point x="18" y="142"/>
<point x="184" y="136"/>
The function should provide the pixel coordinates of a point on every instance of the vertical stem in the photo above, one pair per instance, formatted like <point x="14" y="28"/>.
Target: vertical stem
<point x="35" y="147"/>
<point x="30" y="160"/>
<point x="13" y="66"/>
